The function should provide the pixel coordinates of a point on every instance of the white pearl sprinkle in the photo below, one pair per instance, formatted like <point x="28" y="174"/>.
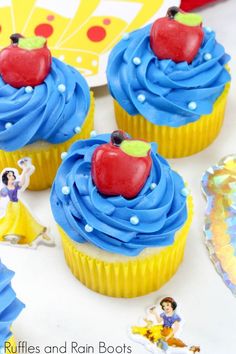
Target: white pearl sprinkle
<point x="8" y="125"/>
<point x="207" y="56"/>
<point x="88" y="228"/>
<point x="185" y="192"/>
<point x="65" y="190"/>
<point x="63" y="155"/>
<point x="28" y="89"/>
<point x="134" y="220"/>
<point x="141" y="98"/>
<point x="126" y="36"/>
<point x="192" y="105"/>
<point x="208" y="29"/>
<point x="77" y="130"/>
<point x="61" y="57"/>
<point x="93" y="133"/>
<point x="153" y="186"/>
<point x="136" y="60"/>
<point x="61" y="88"/>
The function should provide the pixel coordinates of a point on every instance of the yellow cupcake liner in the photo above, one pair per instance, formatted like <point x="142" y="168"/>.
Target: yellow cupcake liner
<point x="176" y="142"/>
<point x="46" y="158"/>
<point x="12" y="348"/>
<point x="128" y="278"/>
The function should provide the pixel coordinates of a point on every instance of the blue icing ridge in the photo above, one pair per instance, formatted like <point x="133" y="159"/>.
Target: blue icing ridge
<point x="168" y="87"/>
<point x="10" y="306"/>
<point x="45" y="113"/>
<point x="161" y="211"/>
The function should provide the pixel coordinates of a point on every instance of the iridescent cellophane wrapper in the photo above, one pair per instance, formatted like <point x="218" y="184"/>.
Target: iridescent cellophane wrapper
<point x="219" y="187"/>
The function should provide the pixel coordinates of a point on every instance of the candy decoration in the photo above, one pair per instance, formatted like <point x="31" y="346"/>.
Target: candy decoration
<point x="65" y="190"/>
<point x="137" y="61"/>
<point x="63" y="155"/>
<point x="77" y="130"/>
<point x="188" y="5"/>
<point x="26" y="62"/>
<point x="141" y="98"/>
<point x="29" y="89"/>
<point x="192" y="105"/>
<point x="93" y="133"/>
<point x="61" y="88"/>
<point x="153" y="186"/>
<point x="185" y="192"/>
<point x="164" y="42"/>
<point x="88" y="228"/>
<point x="122" y="166"/>
<point x="207" y="56"/>
<point x="134" y="220"/>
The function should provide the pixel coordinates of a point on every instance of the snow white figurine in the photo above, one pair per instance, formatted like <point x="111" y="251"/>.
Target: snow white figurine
<point x="162" y="333"/>
<point x="17" y="225"/>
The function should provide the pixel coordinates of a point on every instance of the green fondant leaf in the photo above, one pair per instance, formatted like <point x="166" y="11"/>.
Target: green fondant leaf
<point x="136" y="148"/>
<point x="188" y="19"/>
<point x="31" y="42"/>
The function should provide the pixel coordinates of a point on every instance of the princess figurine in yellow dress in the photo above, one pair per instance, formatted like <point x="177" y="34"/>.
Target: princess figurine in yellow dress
<point x="17" y="225"/>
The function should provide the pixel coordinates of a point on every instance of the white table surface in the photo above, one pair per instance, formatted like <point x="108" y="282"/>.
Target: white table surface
<point x="59" y="308"/>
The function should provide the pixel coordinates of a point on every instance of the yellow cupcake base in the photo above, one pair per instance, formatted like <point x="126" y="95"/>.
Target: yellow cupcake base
<point x="46" y="157"/>
<point x="128" y="278"/>
<point x="176" y="142"/>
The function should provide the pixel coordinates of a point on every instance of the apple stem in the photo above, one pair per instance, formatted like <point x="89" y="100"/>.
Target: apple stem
<point x="172" y="11"/>
<point x="15" y="38"/>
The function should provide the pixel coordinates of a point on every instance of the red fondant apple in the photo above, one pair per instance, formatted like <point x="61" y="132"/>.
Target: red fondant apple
<point x="178" y="36"/>
<point x="122" y="166"/>
<point x="26" y="62"/>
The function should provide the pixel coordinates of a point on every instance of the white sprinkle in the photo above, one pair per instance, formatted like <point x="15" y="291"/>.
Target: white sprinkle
<point x="8" y="125"/>
<point x="192" y="105"/>
<point x="141" y="98"/>
<point x="134" y="220"/>
<point x="61" y="57"/>
<point x="207" y="56"/>
<point x="28" y="89"/>
<point x="61" y="88"/>
<point x="126" y="36"/>
<point x="185" y="192"/>
<point x="208" y="29"/>
<point x="152" y="186"/>
<point x="93" y="133"/>
<point x="88" y="228"/>
<point x="137" y="61"/>
<point x="63" y="155"/>
<point x="65" y="190"/>
<point x="79" y="60"/>
<point x="77" y="130"/>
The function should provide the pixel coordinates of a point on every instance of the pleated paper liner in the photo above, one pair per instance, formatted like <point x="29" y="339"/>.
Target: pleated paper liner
<point x="10" y="346"/>
<point x="176" y="142"/>
<point x="128" y="278"/>
<point x="46" y="158"/>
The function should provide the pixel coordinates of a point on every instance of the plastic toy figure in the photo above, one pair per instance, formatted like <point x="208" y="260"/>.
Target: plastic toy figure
<point x="162" y="334"/>
<point x="17" y="225"/>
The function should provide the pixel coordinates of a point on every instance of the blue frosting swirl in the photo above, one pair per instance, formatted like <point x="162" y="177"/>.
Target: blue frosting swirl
<point x="161" y="211"/>
<point x="10" y="306"/>
<point x="168" y="87"/>
<point x="45" y="113"/>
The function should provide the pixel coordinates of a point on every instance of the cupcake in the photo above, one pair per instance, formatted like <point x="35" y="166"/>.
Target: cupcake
<point x="45" y="105"/>
<point x="170" y="82"/>
<point x="10" y="308"/>
<point x="123" y="215"/>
